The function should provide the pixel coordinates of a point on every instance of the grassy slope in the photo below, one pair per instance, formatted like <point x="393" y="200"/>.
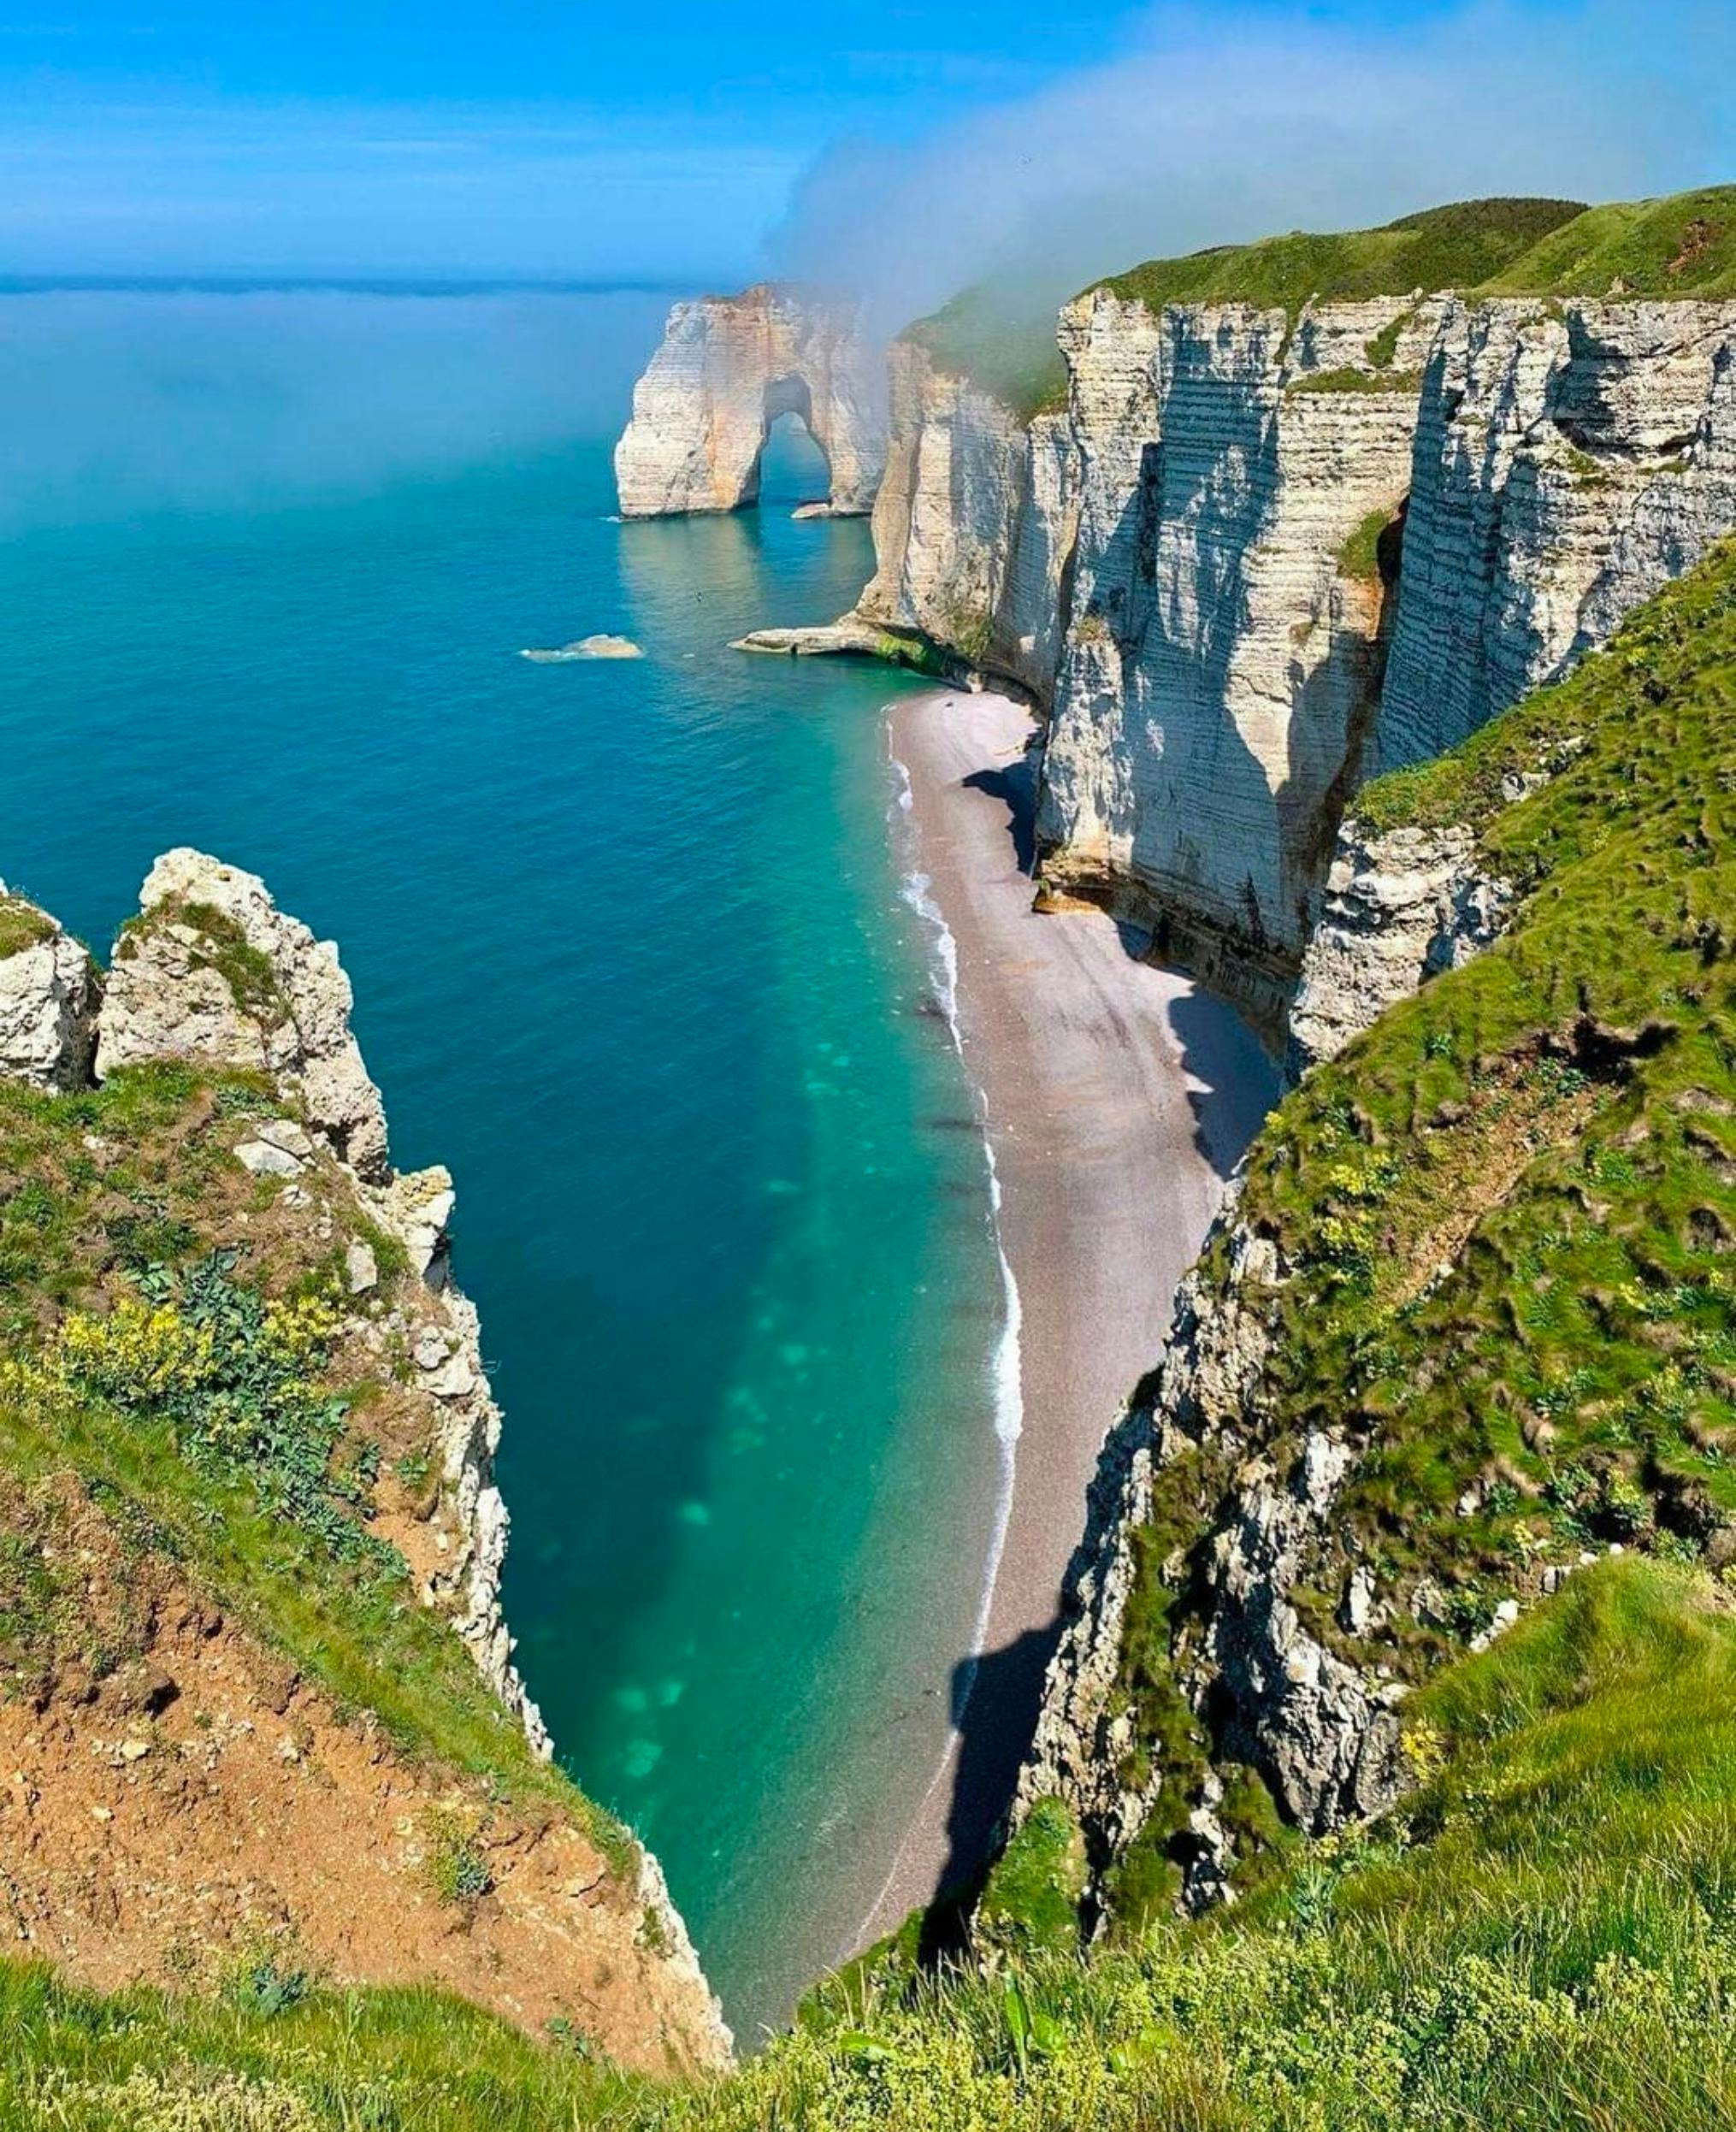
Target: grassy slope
<point x="1544" y="1938"/>
<point x="1543" y="1935"/>
<point x="1509" y="1205"/>
<point x="269" y="1530"/>
<point x="1685" y="245"/>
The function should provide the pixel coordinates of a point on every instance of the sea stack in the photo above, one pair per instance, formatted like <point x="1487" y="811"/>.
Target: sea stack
<point x="728" y="368"/>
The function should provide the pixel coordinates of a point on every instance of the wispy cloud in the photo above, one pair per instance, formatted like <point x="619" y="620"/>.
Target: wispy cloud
<point x="1212" y="127"/>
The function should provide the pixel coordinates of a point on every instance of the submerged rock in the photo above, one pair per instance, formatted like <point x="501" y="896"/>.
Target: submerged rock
<point x="598" y="646"/>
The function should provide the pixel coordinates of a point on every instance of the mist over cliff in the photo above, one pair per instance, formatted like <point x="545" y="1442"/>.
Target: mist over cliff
<point x="1145" y="152"/>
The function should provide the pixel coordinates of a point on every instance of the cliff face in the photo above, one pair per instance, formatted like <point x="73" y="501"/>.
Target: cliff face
<point x="1571" y="458"/>
<point x="973" y="524"/>
<point x="1253" y="561"/>
<point x="727" y="369"/>
<point x="250" y="1248"/>
<point x="1405" y="1391"/>
<point x="1221" y="657"/>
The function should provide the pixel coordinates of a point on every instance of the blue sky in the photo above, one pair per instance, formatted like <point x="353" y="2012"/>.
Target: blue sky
<point x="691" y="142"/>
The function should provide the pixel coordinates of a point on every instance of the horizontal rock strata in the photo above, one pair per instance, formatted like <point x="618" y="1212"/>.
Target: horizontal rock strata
<point x="1254" y="558"/>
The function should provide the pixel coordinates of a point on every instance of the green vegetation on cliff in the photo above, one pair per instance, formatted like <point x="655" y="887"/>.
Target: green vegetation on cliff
<point x="1002" y="341"/>
<point x="1543" y="1937"/>
<point x="1455" y="247"/>
<point x="1510" y="1207"/>
<point x="167" y="1340"/>
<point x="1507" y="1209"/>
<point x="1681" y="246"/>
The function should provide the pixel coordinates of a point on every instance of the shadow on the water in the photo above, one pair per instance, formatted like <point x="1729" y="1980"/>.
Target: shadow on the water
<point x="996" y="1699"/>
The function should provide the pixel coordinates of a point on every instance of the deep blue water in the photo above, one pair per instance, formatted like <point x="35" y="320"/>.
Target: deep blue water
<point x="630" y="957"/>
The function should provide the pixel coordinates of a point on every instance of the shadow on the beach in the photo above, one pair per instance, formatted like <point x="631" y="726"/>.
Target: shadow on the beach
<point x="1237" y="1081"/>
<point x="996" y="1699"/>
<point x="1016" y="786"/>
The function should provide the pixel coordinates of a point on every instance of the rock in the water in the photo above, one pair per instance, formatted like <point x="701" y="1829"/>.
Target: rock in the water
<point x="728" y="368"/>
<point x="598" y="647"/>
<point x="850" y="637"/>
<point x="49" y="992"/>
<point x="211" y="969"/>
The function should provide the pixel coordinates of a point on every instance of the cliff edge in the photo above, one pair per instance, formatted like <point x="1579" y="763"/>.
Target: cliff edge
<point x="260" y="1713"/>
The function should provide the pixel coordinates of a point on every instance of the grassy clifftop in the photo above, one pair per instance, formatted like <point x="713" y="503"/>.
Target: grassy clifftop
<point x="1544" y="1937"/>
<point x="1455" y="247"/>
<point x="1681" y="246"/>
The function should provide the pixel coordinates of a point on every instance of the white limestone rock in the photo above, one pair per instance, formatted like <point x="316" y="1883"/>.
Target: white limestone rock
<point x="1571" y="458"/>
<point x="973" y="525"/>
<point x="179" y="988"/>
<point x="727" y="367"/>
<point x="1399" y="909"/>
<point x="1176" y="566"/>
<point x="1223" y="647"/>
<point x="49" y="994"/>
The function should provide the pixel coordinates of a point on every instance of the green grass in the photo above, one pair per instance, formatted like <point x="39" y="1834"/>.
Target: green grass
<point x="1683" y="245"/>
<point x="1455" y="247"/>
<point x="1003" y="341"/>
<point x="1542" y="1938"/>
<point x="21" y="926"/>
<point x="1508" y="1207"/>
<point x="1031" y="1901"/>
<point x="229" y="1468"/>
<point x="1360" y="556"/>
<point x="1510" y="1204"/>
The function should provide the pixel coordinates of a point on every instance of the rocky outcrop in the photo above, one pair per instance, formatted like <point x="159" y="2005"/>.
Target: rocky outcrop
<point x="1262" y="1688"/>
<point x="49" y="989"/>
<point x="727" y="369"/>
<point x="973" y="525"/>
<point x="578" y="1921"/>
<point x="211" y="969"/>
<point x="1399" y="908"/>
<point x="1571" y="458"/>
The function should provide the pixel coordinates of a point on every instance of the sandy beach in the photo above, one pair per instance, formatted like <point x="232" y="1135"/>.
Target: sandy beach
<point x="1117" y="1098"/>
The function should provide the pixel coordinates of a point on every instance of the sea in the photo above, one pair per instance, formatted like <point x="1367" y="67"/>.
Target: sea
<point x="638" y="952"/>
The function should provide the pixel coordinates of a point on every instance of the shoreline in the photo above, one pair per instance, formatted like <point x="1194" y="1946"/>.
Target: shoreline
<point x="1114" y="1098"/>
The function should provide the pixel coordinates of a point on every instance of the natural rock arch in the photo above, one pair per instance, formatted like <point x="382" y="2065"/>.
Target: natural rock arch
<point x="728" y="368"/>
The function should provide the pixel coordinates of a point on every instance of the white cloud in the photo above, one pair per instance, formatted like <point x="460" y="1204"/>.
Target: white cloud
<point x="1215" y="128"/>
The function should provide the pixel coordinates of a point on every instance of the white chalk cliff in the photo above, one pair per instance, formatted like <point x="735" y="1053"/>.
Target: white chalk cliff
<point x="1254" y="561"/>
<point x="727" y="369"/>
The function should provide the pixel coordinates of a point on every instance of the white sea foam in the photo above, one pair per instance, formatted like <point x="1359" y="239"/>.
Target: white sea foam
<point x="1006" y="1369"/>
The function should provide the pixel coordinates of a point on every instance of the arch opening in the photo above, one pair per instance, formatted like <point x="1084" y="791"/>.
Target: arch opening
<point x="791" y="467"/>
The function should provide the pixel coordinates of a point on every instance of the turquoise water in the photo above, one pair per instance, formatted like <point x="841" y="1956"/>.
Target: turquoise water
<point x="630" y="956"/>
